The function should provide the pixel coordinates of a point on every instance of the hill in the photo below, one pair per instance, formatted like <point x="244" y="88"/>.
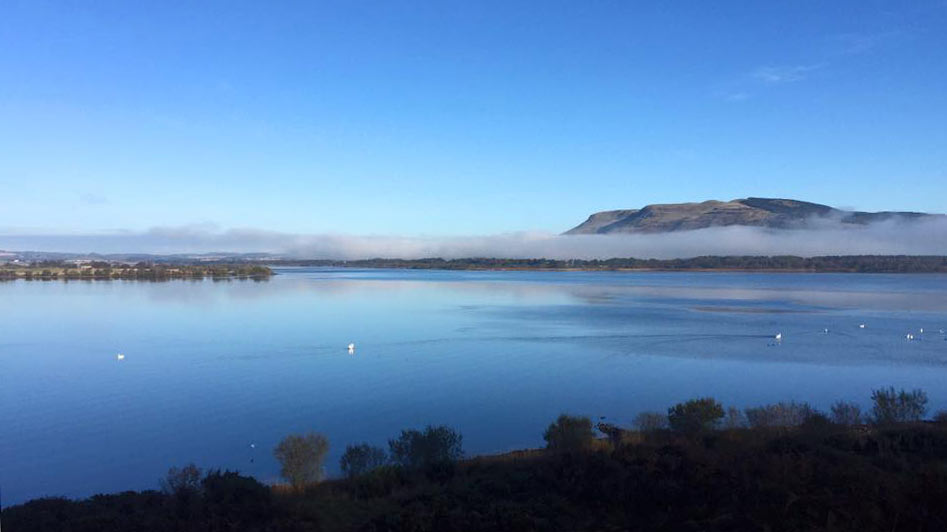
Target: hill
<point x="754" y="212"/>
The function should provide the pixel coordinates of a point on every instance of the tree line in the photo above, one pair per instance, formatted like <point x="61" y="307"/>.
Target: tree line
<point x="436" y="448"/>
<point x="696" y="466"/>
<point x="147" y="271"/>
<point x="840" y="264"/>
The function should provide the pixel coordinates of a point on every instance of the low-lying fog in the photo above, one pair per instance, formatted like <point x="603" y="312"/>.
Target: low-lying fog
<point x="927" y="237"/>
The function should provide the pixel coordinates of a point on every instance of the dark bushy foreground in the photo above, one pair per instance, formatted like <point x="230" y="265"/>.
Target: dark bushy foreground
<point x="817" y="476"/>
<point x="783" y="466"/>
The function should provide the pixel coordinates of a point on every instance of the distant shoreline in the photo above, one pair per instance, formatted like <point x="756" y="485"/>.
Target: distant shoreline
<point x="162" y="269"/>
<point x="613" y="270"/>
<point x="104" y="271"/>
<point x="747" y="264"/>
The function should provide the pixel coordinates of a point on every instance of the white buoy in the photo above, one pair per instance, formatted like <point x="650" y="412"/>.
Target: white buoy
<point x="825" y="331"/>
<point x="922" y="330"/>
<point x="351" y="349"/>
<point x="120" y="356"/>
<point x="253" y="446"/>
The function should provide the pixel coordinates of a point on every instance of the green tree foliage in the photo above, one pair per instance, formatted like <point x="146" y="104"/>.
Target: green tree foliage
<point x="362" y="458"/>
<point x="569" y="433"/>
<point x="695" y="416"/>
<point x="650" y="421"/>
<point x="900" y="406"/>
<point x="846" y="413"/>
<point x="301" y="457"/>
<point x="782" y="414"/>
<point x="434" y="446"/>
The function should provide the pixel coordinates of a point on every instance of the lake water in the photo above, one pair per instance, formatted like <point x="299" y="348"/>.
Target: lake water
<point x="213" y="367"/>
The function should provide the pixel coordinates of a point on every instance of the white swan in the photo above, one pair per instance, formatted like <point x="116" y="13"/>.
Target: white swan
<point x="120" y="356"/>
<point x="351" y="349"/>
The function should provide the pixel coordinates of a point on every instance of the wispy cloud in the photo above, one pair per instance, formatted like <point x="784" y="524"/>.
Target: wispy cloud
<point x="854" y="43"/>
<point x="784" y="74"/>
<point x="91" y="198"/>
<point x="738" y="96"/>
<point x="745" y="86"/>
<point x="860" y="43"/>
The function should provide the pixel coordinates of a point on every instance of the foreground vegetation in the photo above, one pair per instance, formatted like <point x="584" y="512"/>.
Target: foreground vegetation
<point x="700" y="466"/>
<point x="142" y="271"/>
<point x="841" y="264"/>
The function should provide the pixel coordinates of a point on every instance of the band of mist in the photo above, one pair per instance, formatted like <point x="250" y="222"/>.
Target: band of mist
<point x="884" y="238"/>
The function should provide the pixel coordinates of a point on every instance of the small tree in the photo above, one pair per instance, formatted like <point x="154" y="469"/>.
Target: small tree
<point x="362" y="458"/>
<point x="734" y="419"/>
<point x="941" y="417"/>
<point x="569" y="433"/>
<point x="898" y="406"/>
<point x="301" y="457"/>
<point x="184" y="487"/>
<point x="434" y="446"/>
<point x="182" y="482"/>
<point x="791" y="414"/>
<point x="650" y="422"/>
<point x="845" y="413"/>
<point x="695" y="416"/>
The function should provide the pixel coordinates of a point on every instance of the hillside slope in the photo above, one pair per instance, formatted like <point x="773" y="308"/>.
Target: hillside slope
<point x="754" y="212"/>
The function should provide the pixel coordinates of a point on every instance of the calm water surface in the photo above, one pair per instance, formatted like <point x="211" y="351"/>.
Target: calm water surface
<point x="213" y="367"/>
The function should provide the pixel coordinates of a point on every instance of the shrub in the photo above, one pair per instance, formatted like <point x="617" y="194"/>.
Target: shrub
<point x="379" y="482"/>
<point x="362" y="458"/>
<point x="614" y="433"/>
<point x="844" y="413"/>
<point x="650" y="421"/>
<point x="695" y="416"/>
<point x="941" y="417"/>
<point x="436" y="446"/>
<point x="898" y="406"/>
<point x="569" y="433"/>
<point x="817" y="424"/>
<point x="791" y="414"/>
<point x="233" y="495"/>
<point x="301" y="458"/>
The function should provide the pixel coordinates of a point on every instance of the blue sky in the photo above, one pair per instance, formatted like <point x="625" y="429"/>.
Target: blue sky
<point x="459" y="118"/>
